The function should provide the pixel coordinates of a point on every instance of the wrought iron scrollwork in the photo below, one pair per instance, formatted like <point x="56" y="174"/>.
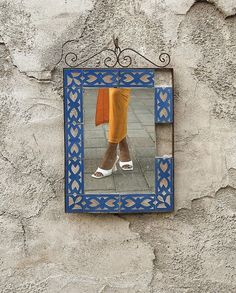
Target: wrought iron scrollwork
<point x="119" y="57"/>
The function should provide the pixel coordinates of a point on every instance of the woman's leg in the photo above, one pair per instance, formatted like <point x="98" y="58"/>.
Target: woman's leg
<point x="124" y="150"/>
<point x="118" y="119"/>
<point x="118" y="110"/>
<point x="109" y="158"/>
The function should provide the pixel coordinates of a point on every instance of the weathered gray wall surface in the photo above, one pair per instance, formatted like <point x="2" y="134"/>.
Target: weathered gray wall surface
<point x="42" y="249"/>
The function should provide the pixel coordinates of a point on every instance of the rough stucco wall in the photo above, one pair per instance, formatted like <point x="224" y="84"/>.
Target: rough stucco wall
<point x="44" y="250"/>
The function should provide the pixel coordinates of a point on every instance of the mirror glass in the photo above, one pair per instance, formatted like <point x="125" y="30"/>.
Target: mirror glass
<point x="124" y="115"/>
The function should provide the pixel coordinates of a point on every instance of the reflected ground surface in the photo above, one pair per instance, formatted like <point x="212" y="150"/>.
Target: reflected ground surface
<point x="141" y="141"/>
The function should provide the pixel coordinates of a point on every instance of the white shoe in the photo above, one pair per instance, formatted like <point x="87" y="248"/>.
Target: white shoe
<point x="104" y="172"/>
<point x="129" y="165"/>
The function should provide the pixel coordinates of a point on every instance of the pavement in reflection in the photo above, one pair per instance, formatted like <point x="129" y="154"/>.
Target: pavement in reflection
<point x="141" y="140"/>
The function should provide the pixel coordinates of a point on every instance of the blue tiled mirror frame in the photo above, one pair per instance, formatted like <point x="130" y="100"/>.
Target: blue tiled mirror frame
<point x="76" y="201"/>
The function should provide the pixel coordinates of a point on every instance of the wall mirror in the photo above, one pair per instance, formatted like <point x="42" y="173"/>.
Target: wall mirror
<point x="139" y="100"/>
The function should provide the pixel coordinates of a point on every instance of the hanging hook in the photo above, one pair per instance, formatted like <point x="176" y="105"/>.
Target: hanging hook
<point x="115" y="41"/>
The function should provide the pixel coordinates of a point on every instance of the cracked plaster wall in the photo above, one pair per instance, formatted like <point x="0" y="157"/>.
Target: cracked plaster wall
<point x="44" y="250"/>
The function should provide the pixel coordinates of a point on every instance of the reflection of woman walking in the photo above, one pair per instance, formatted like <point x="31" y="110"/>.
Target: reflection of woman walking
<point x="112" y="107"/>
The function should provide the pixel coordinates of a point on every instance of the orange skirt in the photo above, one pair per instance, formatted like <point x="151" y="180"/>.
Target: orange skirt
<point x="112" y="108"/>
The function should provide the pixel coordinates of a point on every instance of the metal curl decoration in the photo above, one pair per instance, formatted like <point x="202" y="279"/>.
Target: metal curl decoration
<point x="119" y="57"/>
